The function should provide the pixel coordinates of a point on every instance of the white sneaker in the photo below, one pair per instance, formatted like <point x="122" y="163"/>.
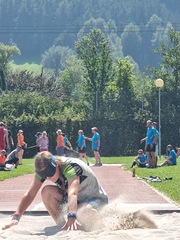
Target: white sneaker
<point x="9" y="167"/>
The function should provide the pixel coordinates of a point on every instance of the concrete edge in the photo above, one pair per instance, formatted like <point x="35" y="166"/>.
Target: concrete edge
<point x="45" y="213"/>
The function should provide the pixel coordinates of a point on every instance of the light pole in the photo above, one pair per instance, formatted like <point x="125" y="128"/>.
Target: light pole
<point x="159" y="84"/>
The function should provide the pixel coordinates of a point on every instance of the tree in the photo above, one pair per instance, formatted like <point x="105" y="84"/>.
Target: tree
<point x="71" y="82"/>
<point x="95" y="52"/>
<point x="55" y="58"/>
<point x="119" y="93"/>
<point x="131" y="41"/>
<point x="6" y="52"/>
<point x="170" y="72"/>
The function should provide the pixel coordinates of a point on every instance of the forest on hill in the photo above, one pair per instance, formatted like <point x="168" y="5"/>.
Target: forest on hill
<point x="78" y="64"/>
<point x="134" y="27"/>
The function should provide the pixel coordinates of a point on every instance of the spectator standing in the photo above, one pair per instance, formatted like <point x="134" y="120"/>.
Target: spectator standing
<point x="60" y="143"/>
<point x="150" y="140"/>
<point x="43" y="142"/>
<point x="37" y="136"/>
<point x="4" y="142"/>
<point x="95" y="145"/>
<point x="67" y="144"/>
<point x="20" y="142"/>
<point x="154" y="124"/>
<point x="10" y="139"/>
<point x="82" y="146"/>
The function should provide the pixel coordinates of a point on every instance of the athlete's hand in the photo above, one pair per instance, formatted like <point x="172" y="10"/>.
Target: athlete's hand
<point x="14" y="221"/>
<point x="71" y="224"/>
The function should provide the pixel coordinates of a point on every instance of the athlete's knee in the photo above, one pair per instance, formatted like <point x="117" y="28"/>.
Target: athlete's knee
<point x="46" y="192"/>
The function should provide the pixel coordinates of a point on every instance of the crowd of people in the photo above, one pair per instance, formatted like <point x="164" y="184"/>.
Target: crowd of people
<point x="10" y="158"/>
<point x="145" y="158"/>
<point x="149" y="157"/>
<point x="63" y="146"/>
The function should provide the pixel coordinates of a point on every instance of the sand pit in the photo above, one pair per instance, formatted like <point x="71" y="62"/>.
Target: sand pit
<point x="114" y="223"/>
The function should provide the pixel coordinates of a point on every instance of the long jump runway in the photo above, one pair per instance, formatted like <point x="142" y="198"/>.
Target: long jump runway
<point x="119" y="184"/>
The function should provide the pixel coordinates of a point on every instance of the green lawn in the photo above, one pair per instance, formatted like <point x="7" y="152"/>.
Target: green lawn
<point x="26" y="168"/>
<point x="170" y="188"/>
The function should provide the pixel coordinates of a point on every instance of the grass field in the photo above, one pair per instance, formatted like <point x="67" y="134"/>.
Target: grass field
<point x="171" y="188"/>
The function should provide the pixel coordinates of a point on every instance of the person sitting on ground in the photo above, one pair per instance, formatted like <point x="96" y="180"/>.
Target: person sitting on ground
<point x="2" y="159"/>
<point x="12" y="157"/>
<point x="170" y="157"/>
<point x="140" y="159"/>
<point x="76" y="191"/>
<point x="3" y="165"/>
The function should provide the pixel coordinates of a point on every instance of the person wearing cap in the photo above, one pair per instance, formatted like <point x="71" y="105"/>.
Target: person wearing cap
<point x="76" y="192"/>
<point x="20" y="142"/>
<point x="43" y="142"/>
<point x="82" y="146"/>
<point x="60" y="143"/>
<point x="170" y="158"/>
<point x="150" y="140"/>
<point x="95" y="146"/>
<point x="140" y="159"/>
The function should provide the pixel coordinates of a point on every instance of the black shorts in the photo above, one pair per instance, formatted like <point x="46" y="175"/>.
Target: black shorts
<point x="150" y="148"/>
<point x="81" y="150"/>
<point x="96" y="150"/>
<point x="141" y="165"/>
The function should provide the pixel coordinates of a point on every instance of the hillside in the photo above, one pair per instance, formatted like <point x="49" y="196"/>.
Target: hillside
<point x="135" y="27"/>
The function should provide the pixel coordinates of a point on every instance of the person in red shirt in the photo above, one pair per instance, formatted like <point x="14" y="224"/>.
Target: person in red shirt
<point x="2" y="158"/>
<point x="4" y="142"/>
<point x="60" y="143"/>
<point x="20" y="140"/>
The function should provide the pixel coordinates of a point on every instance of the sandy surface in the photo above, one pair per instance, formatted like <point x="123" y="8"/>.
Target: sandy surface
<point x="114" y="223"/>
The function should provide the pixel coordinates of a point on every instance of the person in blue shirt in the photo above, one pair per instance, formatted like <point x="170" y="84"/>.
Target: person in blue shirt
<point x="154" y="124"/>
<point x="96" y="146"/>
<point x="150" y="139"/>
<point x="38" y="135"/>
<point x="67" y="145"/>
<point x="140" y="159"/>
<point x="82" y="146"/>
<point x="170" y="157"/>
